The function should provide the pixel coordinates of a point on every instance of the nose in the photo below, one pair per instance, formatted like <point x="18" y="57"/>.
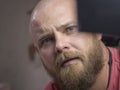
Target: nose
<point x="62" y="43"/>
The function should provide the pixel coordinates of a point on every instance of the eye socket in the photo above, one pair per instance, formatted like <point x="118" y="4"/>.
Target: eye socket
<point x="72" y="28"/>
<point x="46" y="41"/>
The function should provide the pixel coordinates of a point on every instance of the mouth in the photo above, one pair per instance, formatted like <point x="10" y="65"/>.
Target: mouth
<point x="69" y="61"/>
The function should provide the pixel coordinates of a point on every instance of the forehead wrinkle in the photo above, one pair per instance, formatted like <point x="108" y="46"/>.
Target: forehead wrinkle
<point x="42" y="10"/>
<point x="46" y="28"/>
<point x="39" y="31"/>
<point x="46" y="31"/>
<point x="44" y="34"/>
<point x="65" y="24"/>
<point x="36" y="27"/>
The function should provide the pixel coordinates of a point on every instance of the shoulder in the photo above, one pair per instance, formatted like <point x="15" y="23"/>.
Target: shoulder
<point x="115" y="54"/>
<point x="115" y="71"/>
<point x="52" y="86"/>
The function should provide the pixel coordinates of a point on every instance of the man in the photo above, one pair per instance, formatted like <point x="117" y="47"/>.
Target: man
<point x="75" y="60"/>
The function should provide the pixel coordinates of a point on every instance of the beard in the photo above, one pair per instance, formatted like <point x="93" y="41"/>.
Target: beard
<point x="81" y="75"/>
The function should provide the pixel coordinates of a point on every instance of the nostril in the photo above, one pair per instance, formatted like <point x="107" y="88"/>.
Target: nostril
<point x="60" y="50"/>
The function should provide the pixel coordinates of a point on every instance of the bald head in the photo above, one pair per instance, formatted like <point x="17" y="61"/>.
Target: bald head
<point x="52" y="13"/>
<point x="50" y="4"/>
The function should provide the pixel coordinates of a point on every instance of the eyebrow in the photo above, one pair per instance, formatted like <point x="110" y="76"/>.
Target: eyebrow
<point x="44" y="34"/>
<point x="49" y="31"/>
<point x="65" y="25"/>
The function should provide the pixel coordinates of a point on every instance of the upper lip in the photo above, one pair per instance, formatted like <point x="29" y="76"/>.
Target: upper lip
<point x="68" y="59"/>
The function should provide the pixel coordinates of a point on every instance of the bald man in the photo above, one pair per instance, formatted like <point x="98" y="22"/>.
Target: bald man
<point x="75" y="60"/>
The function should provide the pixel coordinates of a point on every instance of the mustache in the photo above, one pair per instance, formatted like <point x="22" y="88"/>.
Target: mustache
<point x="63" y="57"/>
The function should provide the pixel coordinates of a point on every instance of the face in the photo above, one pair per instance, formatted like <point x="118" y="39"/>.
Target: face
<point x="71" y="57"/>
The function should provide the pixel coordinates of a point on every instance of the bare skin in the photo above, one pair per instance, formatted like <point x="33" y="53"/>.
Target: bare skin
<point x="54" y="30"/>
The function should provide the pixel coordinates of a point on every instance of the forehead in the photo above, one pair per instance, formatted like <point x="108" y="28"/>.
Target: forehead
<point x="53" y="9"/>
<point x="53" y="13"/>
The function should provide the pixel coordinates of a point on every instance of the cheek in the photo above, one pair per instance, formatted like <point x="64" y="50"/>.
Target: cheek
<point x="47" y="57"/>
<point x="81" y="44"/>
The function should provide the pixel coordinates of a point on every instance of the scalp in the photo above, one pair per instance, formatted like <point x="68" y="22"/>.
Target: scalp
<point x="47" y="10"/>
<point x="47" y="4"/>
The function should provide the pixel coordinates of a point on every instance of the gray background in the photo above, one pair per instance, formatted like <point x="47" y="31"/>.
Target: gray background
<point x="16" y="68"/>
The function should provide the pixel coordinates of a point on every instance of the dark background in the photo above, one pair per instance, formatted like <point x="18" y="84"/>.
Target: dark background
<point x="101" y="16"/>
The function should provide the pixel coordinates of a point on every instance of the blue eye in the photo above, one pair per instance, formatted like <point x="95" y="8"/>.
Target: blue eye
<point x="71" y="28"/>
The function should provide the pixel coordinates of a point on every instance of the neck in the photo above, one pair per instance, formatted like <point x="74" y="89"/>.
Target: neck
<point x="102" y="78"/>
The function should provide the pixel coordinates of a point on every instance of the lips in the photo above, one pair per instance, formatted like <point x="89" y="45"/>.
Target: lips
<point x="67" y="61"/>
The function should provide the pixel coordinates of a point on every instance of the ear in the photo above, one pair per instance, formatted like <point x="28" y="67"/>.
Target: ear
<point x="36" y="48"/>
<point x="99" y="36"/>
<point x="31" y="51"/>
